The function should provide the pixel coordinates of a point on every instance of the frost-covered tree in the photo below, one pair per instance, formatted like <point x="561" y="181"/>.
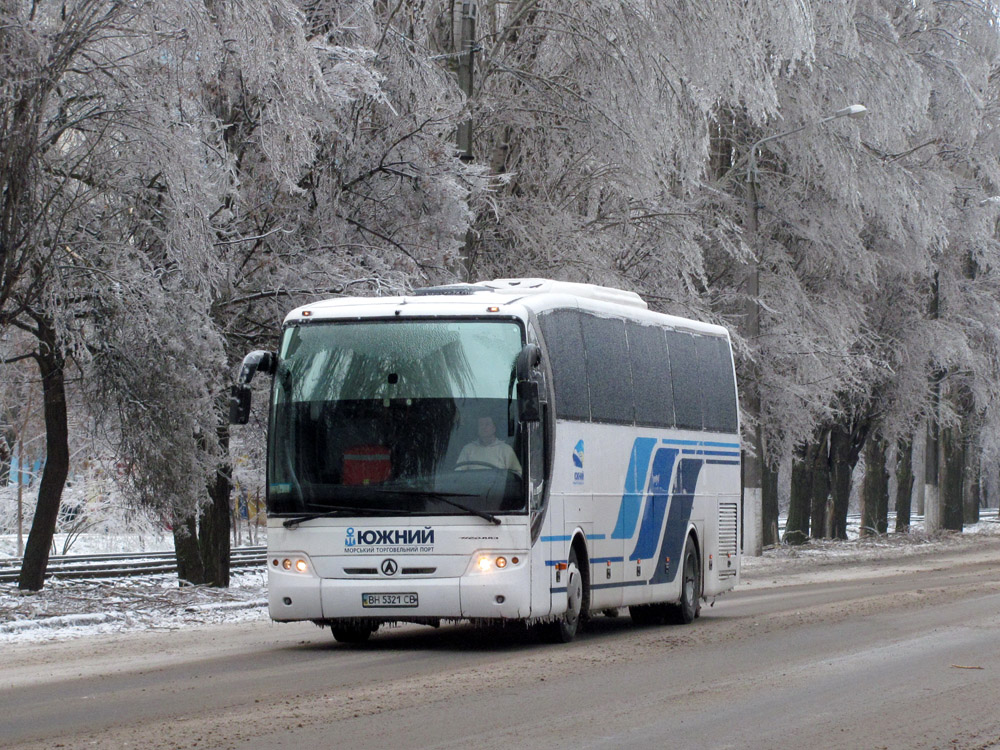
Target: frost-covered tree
<point x="61" y="123"/>
<point x="854" y="221"/>
<point x="198" y="168"/>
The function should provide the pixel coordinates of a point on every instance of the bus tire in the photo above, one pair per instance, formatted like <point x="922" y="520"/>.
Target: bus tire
<point x="565" y="628"/>
<point x="689" y="606"/>
<point x="352" y="633"/>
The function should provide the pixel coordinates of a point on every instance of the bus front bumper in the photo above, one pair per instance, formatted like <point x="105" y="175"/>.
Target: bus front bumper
<point x="499" y="594"/>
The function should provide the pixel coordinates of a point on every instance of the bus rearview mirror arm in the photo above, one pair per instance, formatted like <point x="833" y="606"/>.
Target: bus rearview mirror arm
<point x="239" y="393"/>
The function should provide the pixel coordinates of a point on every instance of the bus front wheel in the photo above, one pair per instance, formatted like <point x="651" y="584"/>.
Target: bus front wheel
<point x="564" y="629"/>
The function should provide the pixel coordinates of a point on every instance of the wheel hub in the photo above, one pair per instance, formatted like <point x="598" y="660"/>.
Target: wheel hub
<point x="574" y="595"/>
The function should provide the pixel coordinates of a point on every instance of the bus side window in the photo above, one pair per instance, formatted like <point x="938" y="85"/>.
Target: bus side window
<point x="650" y="360"/>
<point x="686" y="380"/>
<point x="608" y="370"/>
<point x="716" y="364"/>
<point x="564" y="339"/>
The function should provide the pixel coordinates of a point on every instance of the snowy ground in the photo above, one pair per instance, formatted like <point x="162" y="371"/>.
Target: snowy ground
<point x="75" y="609"/>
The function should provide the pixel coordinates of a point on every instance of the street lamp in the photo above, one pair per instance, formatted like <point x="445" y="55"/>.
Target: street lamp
<point x="753" y="466"/>
<point x="853" y="111"/>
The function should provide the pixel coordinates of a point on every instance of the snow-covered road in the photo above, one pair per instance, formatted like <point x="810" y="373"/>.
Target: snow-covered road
<point x="887" y="645"/>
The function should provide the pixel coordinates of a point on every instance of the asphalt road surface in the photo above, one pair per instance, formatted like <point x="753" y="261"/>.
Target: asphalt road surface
<point x="902" y="653"/>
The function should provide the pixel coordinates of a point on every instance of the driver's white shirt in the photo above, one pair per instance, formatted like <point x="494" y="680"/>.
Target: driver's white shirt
<point x="497" y="453"/>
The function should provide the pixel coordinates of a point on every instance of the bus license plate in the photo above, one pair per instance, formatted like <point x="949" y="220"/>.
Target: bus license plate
<point x="389" y="600"/>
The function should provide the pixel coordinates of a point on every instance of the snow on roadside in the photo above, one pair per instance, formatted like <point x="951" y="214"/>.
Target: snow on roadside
<point x="74" y="609"/>
<point x="827" y="553"/>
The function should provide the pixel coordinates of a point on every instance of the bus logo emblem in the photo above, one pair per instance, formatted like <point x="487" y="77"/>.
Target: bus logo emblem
<point x="578" y="463"/>
<point x="389" y="567"/>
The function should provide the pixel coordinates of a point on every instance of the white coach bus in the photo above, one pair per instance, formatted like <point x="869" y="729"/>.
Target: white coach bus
<point x="511" y="450"/>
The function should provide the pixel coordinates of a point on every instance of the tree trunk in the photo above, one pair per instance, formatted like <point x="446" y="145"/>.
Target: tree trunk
<point x="819" y="454"/>
<point x="190" y="569"/>
<point x="36" y="552"/>
<point x="797" y="525"/>
<point x="203" y="546"/>
<point x="214" y="529"/>
<point x="973" y="489"/>
<point x="8" y="437"/>
<point x="770" y="509"/>
<point x="875" y="489"/>
<point x="845" y="448"/>
<point x="951" y="478"/>
<point x="904" y="485"/>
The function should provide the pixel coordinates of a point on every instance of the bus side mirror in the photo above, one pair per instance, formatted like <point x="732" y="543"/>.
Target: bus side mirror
<point x="239" y="404"/>
<point x="239" y="394"/>
<point x="528" y="406"/>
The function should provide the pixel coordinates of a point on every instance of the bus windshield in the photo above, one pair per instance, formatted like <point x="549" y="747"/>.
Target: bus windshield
<point x="396" y="418"/>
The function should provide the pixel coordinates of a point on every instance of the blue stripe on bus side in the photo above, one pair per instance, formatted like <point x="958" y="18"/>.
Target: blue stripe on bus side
<point x="724" y="463"/>
<point x="675" y="532"/>
<point x="618" y="585"/>
<point x="565" y="538"/>
<point x="705" y="443"/>
<point x="635" y="483"/>
<point x="688" y="451"/>
<point x="594" y="561"/>
<point x="656" y="506"/>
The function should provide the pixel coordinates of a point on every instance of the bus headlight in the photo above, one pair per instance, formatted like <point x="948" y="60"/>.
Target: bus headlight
<point x="291" y="564"/>
<point x="490" y="562"/>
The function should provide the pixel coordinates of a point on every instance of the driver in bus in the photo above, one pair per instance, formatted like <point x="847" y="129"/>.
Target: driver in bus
<point x="488" y="450"/>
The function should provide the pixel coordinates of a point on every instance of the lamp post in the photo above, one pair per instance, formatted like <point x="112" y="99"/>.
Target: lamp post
<point x="753" y="465"/>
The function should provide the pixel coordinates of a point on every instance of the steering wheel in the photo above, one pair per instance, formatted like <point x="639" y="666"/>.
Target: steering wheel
<point x="480" y="464"/>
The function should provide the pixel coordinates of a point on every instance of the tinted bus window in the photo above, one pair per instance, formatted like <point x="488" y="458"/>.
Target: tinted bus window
<point x="608" y="369"/>
<point x="564" y="341"/>
<point x="686" y="377"/>
<point x="654" y="399"/>
<point x="718" y="386"/>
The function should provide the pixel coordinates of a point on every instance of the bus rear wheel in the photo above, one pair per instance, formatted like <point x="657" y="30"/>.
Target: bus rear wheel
<point x="352" y="632"/>
<point x="689" y="606"/>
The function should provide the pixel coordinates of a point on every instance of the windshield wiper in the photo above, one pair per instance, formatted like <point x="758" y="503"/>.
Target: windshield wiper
<point x="445" y="497"/>
<point x="332" y="512"/>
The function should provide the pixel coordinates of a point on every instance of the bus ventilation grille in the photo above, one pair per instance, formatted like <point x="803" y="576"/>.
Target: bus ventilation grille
<point x="728" y="538"/>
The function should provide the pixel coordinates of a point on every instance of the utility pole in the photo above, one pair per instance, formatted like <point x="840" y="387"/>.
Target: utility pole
<point x="466" y="70"/>
<point x="932" y="451"/>
<point x="20" y="496"/>
<point x="753" y="465"/>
